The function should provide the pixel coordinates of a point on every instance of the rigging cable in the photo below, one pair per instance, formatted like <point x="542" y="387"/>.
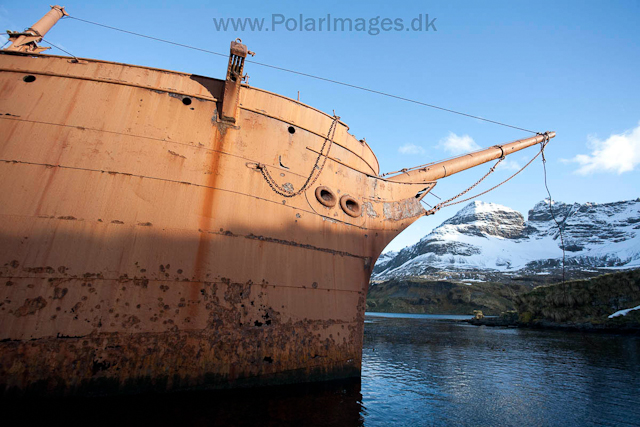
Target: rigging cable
<point x="75" y="59"/>
<point x="306" y="75"/>
<point x="544" y="167"/>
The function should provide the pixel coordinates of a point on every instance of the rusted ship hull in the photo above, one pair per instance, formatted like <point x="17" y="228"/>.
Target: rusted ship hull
<point x="142" y="246"/>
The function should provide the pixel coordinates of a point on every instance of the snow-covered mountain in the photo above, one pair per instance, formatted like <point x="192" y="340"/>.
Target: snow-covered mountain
<point x="490" y="242"/>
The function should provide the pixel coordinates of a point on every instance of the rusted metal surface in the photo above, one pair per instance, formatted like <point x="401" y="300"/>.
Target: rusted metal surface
<point x="142" y="248"/>
<point x="230" y="100"/>
<point x="27" y="41"/>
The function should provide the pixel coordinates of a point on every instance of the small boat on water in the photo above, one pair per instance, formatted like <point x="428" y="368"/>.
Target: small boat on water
<point x="164" y="231"/>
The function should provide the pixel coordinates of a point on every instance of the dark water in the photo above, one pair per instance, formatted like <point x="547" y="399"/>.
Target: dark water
<point x="417" y="370"/>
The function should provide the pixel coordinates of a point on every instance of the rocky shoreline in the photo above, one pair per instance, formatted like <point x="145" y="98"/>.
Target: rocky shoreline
<point x="618" y="328"/>
<point x="601" y="304"/>
<point x="607" y="303"/>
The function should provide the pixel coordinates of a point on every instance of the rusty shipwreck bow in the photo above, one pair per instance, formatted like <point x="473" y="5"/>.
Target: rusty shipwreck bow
<point x="161" y="230"/>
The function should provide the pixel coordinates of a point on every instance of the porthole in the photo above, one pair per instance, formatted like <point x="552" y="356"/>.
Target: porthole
<point x="186" y="101"/>
<point x="292" y="130"/>
<point x="29" y="78"/>
<point x="326" y="196"/>
<point x="350" y="206"/>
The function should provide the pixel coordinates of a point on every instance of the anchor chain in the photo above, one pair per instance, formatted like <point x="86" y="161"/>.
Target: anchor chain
<point x="313" y="176"/>
<point x="446" y="203"/>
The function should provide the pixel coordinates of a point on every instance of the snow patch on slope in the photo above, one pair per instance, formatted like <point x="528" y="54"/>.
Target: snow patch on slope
<point x="623" y="312"/>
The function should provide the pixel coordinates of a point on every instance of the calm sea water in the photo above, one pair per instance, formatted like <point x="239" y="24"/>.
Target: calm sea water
<point x="418" y="370"/>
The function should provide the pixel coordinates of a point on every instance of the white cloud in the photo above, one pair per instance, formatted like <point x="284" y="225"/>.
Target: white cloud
<point x="455" y="144"/>
<point x="509" y="165"/>
<point x="618" y="154"/>
<point x="411" y="149"/>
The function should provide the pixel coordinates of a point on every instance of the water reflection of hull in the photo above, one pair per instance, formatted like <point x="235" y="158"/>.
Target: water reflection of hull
<point x="330" y="403"/>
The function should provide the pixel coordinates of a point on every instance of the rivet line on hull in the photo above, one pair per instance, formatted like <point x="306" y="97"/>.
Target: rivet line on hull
<point x="195" y="185"/>
<point x="161" y="179"/>
<point x="184" y="144"/>
<point x="66" y="279"/>
<point x="108" y="81"/>
<point x="229" y="234"/>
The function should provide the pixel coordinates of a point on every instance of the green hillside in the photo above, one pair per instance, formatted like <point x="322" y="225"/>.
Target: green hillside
<point x="416" y="295"/>
<point x="583" y="301"/>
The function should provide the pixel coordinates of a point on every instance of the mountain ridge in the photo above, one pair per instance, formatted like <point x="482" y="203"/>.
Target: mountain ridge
<point x="489" y="242"/>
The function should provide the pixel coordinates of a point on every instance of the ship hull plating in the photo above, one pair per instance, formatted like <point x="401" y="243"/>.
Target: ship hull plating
<point x="141" y="246"/>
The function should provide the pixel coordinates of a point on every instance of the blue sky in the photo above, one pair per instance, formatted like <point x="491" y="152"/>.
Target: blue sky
<point x="571" y="67"/>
